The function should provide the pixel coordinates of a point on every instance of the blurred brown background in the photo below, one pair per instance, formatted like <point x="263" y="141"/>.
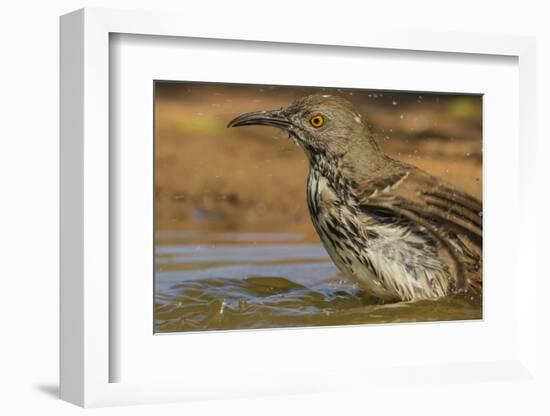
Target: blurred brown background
<point x="210" y="178"/>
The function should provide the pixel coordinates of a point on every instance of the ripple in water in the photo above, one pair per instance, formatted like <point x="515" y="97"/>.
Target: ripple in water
<point x="271" y="281"/>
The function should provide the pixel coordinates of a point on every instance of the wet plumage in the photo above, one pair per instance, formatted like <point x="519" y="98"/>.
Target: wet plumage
<point x="402" y="233"/>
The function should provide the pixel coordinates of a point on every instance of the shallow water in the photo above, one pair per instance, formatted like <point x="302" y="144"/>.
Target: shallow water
<point x="254" y="280"/>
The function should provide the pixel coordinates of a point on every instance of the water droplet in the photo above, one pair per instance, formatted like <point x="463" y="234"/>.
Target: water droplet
<point x="394" y="103"/>
<point x="401" y="116"/>
<point x="224" y="303"/>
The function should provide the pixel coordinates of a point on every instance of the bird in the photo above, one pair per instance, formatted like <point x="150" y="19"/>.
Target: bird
<point x="401" y="233"/>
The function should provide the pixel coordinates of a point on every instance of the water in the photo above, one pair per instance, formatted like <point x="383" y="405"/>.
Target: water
<point x="253" y="280"/>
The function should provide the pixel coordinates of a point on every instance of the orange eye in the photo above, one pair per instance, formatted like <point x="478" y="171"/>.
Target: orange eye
<point x="317" y="120"/>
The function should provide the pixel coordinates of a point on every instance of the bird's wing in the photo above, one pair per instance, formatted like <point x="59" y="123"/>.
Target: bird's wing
<point x="451" y="217"/>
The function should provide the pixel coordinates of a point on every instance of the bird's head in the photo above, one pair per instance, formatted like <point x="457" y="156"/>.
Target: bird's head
<point x="323" y="125"/>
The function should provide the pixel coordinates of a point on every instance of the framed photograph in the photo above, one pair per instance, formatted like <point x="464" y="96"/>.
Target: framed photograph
<point x="235" y="227"/>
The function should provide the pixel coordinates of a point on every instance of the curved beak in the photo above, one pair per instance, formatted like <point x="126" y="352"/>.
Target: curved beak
<point x="274" y="118"/>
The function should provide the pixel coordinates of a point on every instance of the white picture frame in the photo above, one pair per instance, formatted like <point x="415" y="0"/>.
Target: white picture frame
<point x="87" y="166"/>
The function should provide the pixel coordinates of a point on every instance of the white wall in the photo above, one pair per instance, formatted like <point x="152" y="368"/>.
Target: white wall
<point x="29" y="179"/>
